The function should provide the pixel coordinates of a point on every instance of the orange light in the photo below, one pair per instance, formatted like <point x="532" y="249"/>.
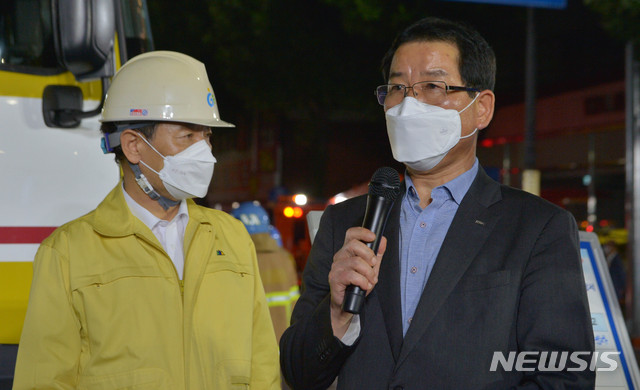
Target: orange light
<point x="288" y="211"/>
<point x="297" y="212"/>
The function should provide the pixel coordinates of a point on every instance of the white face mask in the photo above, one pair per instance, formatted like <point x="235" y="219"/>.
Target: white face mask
<point x="188" y="173"/>
<point x="421" y="135"/>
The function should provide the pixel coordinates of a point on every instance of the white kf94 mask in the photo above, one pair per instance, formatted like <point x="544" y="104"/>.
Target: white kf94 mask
<point x="421" y="135"/>
<point x="188" y="173"/>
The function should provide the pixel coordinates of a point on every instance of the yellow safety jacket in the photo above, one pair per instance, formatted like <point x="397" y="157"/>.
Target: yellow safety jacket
<point x="107" y="310"/>
<point x="280" y="280"/>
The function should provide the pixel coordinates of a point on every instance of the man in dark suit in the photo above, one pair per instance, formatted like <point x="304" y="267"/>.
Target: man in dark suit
<point x="475" y="285"/>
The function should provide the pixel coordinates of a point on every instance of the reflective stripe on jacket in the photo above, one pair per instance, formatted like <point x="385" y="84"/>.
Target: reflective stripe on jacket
<point x="108" y="311"/>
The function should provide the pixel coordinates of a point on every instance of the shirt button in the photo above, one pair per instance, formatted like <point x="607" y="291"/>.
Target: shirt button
<point x="414" y="270"/>
<point x="422" y="224"/>
<point x="409" y="321"/>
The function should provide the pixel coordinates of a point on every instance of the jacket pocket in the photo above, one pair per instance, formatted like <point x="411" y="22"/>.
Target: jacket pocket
<point x="481" y="282"/>
<point x="229" y="264"/>
<point x="239" y="382"/>
<point x="142" y="379"/>
<point x="233" y="374"/>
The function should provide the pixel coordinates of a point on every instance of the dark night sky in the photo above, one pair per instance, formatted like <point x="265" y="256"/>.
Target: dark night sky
<point x="572" y="48"/>
<point x="325" y="69"/>
<point x="319" y="42"/>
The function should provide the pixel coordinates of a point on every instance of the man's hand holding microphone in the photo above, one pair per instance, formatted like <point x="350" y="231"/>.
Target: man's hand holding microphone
<point x="356" y="265"/>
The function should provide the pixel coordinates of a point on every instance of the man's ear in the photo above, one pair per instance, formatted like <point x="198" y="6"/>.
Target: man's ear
<point x="130" y="142"/>
<point x="485" y="108"/>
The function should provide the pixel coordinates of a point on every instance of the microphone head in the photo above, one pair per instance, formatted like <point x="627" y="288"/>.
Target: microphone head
<point x="385" y="183"/>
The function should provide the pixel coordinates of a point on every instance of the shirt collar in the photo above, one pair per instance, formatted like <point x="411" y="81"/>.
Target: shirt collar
<point x="456" y="188"/>
<point x="145" y="215"/>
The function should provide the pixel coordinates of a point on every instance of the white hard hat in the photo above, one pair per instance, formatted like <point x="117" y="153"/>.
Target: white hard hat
<point x="162" y="86"/>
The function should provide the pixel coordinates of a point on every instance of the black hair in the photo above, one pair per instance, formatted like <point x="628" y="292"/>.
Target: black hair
<point x="477" y="62"/>
<point x="112" y="127"/>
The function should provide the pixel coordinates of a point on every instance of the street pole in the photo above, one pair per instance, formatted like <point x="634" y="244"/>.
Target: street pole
<point x="632" y="165"/>
<point x="530" y="175"/>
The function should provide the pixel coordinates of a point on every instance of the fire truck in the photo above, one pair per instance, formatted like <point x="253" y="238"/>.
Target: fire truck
<point x="56" y="60"/>
<point x="290" y="219"/>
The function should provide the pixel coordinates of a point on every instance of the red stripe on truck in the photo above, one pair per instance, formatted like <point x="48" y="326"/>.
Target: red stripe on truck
<point x="24" y="234"/>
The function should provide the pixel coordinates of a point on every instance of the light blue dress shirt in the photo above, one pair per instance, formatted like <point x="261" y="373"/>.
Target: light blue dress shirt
<point x="422" y="232"/>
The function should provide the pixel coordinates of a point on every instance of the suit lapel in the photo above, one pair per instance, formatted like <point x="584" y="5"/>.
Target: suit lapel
<point x="388" y="287"/>
<point x="468" y="232"/>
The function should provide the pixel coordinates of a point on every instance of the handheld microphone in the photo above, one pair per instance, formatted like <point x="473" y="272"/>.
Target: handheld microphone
<point x="384" y="188"/>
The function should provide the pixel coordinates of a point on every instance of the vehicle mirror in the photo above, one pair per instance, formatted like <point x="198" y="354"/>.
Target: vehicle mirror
<point x="61" y="106"/>
<point x="84" y="33"/>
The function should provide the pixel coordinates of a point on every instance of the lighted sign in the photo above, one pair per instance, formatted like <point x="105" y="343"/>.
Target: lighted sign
<point x="557" y="4"/>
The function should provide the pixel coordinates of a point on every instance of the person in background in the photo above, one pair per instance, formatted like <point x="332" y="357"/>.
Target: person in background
<point x="150" y="290"/>
<point x="275" y="234"/>
<point x="467" y="269"/>
<point x="277" y="266"/>
<point x="616" y="269"/>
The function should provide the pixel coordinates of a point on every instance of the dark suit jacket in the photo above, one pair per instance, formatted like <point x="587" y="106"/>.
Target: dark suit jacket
<point x="508" y="278"/>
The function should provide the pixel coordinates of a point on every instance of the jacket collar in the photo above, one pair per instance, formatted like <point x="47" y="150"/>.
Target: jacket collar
<point x="456" y="188"/>
<point x="388" y="287"/>
<point x="112" y="217"/>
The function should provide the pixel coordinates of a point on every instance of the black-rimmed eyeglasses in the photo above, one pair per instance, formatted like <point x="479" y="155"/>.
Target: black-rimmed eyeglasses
<point x="430" y="92"/>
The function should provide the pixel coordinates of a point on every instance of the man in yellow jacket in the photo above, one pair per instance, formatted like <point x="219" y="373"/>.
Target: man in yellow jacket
<point x="150" y="290"/>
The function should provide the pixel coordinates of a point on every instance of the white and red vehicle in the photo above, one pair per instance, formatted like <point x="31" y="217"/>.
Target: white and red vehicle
<point x="56" y="60"/>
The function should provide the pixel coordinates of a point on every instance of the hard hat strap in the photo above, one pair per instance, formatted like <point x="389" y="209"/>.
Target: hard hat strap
<point x="144" y="184"/>
<point x="112" y="140"/>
